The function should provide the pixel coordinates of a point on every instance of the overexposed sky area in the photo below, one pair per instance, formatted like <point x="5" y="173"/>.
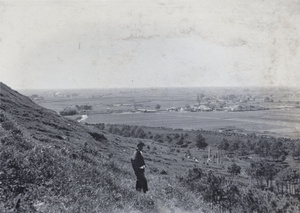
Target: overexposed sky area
<point x="47" y="44"/>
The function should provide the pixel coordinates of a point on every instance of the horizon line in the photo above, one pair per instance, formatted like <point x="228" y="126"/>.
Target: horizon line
<point x="161" y="87"/>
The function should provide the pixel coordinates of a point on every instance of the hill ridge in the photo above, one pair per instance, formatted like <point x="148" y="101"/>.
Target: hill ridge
<point x="41" y="123"/>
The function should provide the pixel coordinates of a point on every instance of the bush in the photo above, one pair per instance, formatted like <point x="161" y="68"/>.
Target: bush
<point x="224" y="145"/>
<point x="234" y="169"/>
<point x="84" y="107"/>
<point x="7" y="125"/>
<point x="140" y="133"/>
<point x="157" y="107"/>
<point x="69" y="111"/>
<point x="200" y="142"/>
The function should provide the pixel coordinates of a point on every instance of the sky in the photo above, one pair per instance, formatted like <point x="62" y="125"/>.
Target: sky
<point x="52" y="44"/>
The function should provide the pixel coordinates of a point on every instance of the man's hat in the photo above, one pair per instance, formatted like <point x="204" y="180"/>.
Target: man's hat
<point x="141" y="144"/>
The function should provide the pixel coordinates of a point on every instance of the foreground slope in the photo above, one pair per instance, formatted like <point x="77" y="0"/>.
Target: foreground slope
<point x="52" y="164"/>
<point x="45" y="158"/>
<point x="49" y="163"/>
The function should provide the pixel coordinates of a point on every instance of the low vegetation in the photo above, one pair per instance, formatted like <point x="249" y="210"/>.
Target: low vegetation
<point x="38" y="178"/>
<point x="74" y="110"/>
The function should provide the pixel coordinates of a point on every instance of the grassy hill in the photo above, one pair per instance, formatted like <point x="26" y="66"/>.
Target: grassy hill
<point x="53" y="164"/>
<point x="49" y="163"/>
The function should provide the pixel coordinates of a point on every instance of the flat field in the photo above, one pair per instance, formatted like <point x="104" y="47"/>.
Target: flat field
<point x="278" y="123"/>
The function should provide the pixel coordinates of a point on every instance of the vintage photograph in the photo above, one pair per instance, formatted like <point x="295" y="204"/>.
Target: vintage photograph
<point x="139" y="106"/>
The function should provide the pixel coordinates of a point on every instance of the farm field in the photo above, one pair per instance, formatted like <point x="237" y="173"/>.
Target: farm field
<point x="275" y="122"/>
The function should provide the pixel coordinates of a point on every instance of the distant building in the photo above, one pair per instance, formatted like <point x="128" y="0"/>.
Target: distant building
<point x="204" y="108"/>
<point x="173" y="109"/>
<point x="234" y="108"/>
<point x="36" y="97"/>
<point x="147" y="110"/>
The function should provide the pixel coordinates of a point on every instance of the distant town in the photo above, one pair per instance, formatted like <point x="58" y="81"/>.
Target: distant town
<point x="230" y="103"/>
<point x="202" y="103"/>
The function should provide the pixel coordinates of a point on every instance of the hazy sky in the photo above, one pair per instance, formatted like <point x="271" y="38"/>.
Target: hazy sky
<point x="157" y="43"/>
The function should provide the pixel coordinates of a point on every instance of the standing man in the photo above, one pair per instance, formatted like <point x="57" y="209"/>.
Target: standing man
<point x="138" y="165"/>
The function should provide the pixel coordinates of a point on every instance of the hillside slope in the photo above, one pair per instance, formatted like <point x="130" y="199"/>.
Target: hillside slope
<point x="49" y="163"/>
<point x="39" y="123"/>
<point x="43" y="156"/>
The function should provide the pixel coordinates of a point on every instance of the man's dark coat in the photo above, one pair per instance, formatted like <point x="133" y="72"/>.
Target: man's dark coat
<point x="137" y="162"/>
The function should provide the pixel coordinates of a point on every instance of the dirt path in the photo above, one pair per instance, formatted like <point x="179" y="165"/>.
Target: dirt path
<point x="83" y="118"/>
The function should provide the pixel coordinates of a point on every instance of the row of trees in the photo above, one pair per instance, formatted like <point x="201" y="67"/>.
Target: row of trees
<point x="263" y="171"/>
<point x="271" y="176"/>
<point x="267" y="173"/>
<point x="214" y="189"/>
<point x="74" y="110"/>
<point x="288" y="181"/>
<point x="128" y="131"/>
<point x="275" y="150"/>
<point x="182" y="140"/>
<point x="229" y="195"/>
<point x="296" y="150"/>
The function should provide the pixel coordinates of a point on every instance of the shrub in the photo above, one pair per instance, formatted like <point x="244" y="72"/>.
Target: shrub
<point x="163" y="172"/>
<point x="234" y="169"/>
<point x="97" y="136"/>
<point x="157" y="136"/>
<point x="224" y="145"/>
<point x="7" y="125"/>
<point x="71" y="110"/>
<point x="200" y="142"/>
<point x="195" y="173"/>
<point x="140" y="133"/>
<point x="84" y="107"/>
